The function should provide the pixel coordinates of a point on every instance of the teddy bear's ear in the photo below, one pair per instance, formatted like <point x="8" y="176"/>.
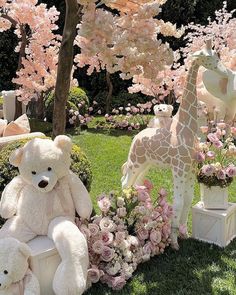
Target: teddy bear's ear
<point x="16" y="157"/>
<point x="24" y="250"/>
<point x="63" y="142"/>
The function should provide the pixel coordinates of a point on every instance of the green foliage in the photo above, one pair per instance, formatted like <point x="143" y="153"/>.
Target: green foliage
<point x="1" y="102"/>
<point x="40" y="126"/>
<point x="79" y="165"/>
<point x="76" y="96"/>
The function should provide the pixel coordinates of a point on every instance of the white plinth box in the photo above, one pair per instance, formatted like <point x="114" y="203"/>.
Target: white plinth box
<point x="44" y="262"/>
<point x="214" y="226"/>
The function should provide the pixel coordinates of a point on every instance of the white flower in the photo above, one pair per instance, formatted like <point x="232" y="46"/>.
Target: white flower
<point x="106" y="224"/>
<point x="113" y="270"/>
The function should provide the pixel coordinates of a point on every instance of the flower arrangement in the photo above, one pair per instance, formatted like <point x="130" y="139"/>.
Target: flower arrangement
<point x="130" y="229"/>
<point x="216" y="156"/>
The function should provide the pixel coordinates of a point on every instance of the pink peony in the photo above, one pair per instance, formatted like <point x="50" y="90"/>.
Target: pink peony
<point x="231" y="171"/>
<point x="220" y="174"/>
<point x="106" y="224"/>
<point x="107" y="238"/>
<point x="210" y="155"/>
<point x="98" y="247"/>
<point x="142" y="233"/>
<point x="155" y="237"/>
<point x="107" y="254"/>
<point x="200" y="157"/>
<point x="94" y="274"/>
<point x="212" y="137"/>
<point x="208" y="170"/>
<point x="104" y="204"/>
<point x="118" y="282"/>
<point x="93" y="228"/>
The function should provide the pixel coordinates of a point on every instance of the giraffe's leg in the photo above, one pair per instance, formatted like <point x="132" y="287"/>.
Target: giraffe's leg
<point x="131" y="175"/>
<point x="178" y="204"/>
<point x="188" y="197"/>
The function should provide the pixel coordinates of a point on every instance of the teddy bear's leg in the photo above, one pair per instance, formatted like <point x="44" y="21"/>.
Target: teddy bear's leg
<point x="16" y="228"/>
<point x="71" y="274"/>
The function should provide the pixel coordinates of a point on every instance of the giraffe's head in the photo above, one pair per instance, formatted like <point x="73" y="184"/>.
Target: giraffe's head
<point x="209" y="59"/>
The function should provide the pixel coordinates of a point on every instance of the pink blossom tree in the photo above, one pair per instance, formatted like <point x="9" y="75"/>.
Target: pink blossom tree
<point x="34" y="25"/>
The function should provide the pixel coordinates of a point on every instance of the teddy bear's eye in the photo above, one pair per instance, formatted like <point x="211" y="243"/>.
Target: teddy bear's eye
<point x="5" y="272"/>
<point x="49" y="169"/>
<point x="33" y="172"/>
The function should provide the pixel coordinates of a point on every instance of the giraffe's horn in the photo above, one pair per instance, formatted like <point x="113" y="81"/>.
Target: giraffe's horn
<point x="209" y="44"/>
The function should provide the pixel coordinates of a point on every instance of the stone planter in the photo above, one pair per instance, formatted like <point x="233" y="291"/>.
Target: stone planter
<point x="214" y="197"/>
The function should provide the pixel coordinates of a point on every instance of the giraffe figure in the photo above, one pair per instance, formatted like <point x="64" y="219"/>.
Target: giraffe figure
<point x="174" y="147"/>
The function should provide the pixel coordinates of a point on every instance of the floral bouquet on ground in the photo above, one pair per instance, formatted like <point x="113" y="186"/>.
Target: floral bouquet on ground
<point x="216" y="157"/>
<point x="131" y="229"/>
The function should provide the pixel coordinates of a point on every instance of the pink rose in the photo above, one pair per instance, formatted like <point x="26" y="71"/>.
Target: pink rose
<point x="107" y="238"/>
<point x="200" y="157"/>
<point x="155" y="237"/>
<point x="210" y="155"/>
<point x="147" y="248"/>
<point x="119" y="237"/>
<point x="106" y="224"/>
<point x="94" y="274"/>
<point x="231" y="171"/>
<point x="98" y="247"/>
<point x="118" y="283"/>
<point x="93" y="228"/>
<point x="220" y="174"/>
<point x="208" y="170"/>
<point x="212" y="137"/>
<point x="142" y="234"/>
<point x="104" y="204"/>
<point x="107" y="254"/>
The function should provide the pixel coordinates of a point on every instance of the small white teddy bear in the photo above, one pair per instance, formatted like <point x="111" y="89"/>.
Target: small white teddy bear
<point x="162" y="119"/>
<point x="15" y="276"/>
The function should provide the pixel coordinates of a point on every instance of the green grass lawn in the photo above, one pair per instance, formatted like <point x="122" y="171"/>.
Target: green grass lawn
<point x="197" y="268"/>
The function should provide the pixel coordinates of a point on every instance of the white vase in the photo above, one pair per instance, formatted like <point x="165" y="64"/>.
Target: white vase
<point x="214" y="197"/>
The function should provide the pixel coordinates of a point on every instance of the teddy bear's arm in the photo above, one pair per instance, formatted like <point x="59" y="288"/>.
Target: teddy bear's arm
<point x="31" y="284"/>
<point x="10" y="195"/>
<point x="80" y="195"/>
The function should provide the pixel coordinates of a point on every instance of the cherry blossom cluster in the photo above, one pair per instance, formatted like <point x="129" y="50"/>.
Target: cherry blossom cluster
<point x="130" y="230"/>
<point x="216" y="156"/>
<point x="221" y="29"/>
<point x="125" y="42"/>
<point x="35" y="25"/>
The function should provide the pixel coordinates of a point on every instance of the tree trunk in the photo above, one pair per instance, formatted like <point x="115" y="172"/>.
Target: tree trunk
<point x="18" y="104"/>
<point x="65" y="63"/>
<point x="40" y="107"/>
<point x="109" y="95"/>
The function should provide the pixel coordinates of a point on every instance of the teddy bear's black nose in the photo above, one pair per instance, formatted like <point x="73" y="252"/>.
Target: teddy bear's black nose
<point x="43" y="183"/>
<point x="160" y="110"/>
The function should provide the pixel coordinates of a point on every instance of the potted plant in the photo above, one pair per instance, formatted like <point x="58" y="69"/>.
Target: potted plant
<point x="216" y="168"/>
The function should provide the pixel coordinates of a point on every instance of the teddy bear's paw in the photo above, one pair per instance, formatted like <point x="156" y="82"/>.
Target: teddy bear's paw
<point x="69" y="279"/>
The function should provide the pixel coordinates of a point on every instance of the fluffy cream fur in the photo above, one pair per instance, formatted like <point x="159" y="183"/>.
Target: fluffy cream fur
<point x="15" y="276"/>
<point x="162" y="119"/>
<point x="42" y="200"/>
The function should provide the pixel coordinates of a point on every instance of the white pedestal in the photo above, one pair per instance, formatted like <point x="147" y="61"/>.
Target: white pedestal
<point x="214" y="226"/>
<point x="44" y="261"/>
<point x="9" y="98"/>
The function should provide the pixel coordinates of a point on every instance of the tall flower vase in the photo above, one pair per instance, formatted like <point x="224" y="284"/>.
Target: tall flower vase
<point x="214" y="197"/>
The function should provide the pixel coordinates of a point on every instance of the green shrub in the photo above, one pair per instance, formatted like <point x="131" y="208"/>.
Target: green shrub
<point x="40" y="126"/>
<point x="80" y="165"/>
<point x="76" y="96"/>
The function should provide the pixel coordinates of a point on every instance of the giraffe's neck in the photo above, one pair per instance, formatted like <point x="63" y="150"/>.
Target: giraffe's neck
<point x="188" y="107"/>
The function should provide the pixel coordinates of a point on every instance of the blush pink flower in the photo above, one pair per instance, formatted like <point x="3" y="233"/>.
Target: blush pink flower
<point x="94" y="274"/>
<point x="104" y="204"/>
<point x="155" y="237"/>
<point x="204" y="129"/>
<point x="121" y="212"/>
<point x="93" y="228"/>
<point x="162" y="192"/>
<point x="218" y="144"/>
<point x="106" y="224"/>
<point x="210" y="155"/>
<point x="233" y="130"/>
<point x="231" y="171"/>
<point x="200" y="157"/>
<point x="107" y="238"/>
<point x="119" y="237"/>
<point x="208" y="170"/>
<point x="142" y="233"/>
<point x="212" y="137"/>
<point x="149" y="186"/>
<point x="118" y="282"/>
<point x="107" y="254"/>
<point x="220" y="174"/>
<point x="98" y="247"/>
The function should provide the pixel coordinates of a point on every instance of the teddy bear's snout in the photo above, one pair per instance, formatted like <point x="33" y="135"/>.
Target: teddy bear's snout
<point x="43" y="183"/>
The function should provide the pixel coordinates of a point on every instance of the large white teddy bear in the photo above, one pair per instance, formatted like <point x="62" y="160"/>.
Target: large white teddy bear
<point x="162" y="119"/>
<point x="15" y="276"/>
<point x="42" y="200"/>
